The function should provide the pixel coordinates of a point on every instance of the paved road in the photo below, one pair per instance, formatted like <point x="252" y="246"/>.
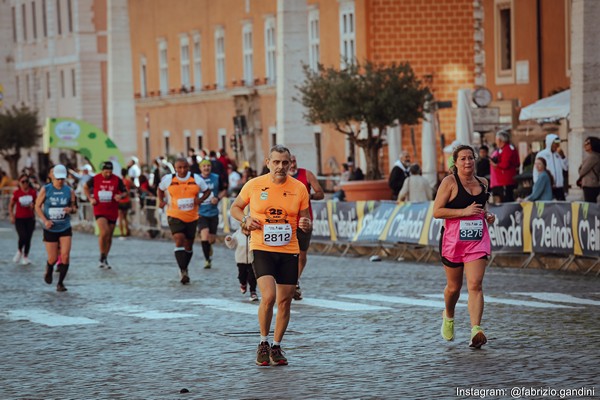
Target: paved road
<point x="365" y="330"/>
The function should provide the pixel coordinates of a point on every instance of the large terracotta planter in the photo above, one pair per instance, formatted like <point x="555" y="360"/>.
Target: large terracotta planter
<point x="367" y="190"/>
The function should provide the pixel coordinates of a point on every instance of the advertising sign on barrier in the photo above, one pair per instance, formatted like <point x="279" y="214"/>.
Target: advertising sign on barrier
<point x="551" y="228"/>
<point x="407" y="223"/>
<point x="506" y="233"/>
<point x="375" y="222"/>
<point x="321" y="229"/>
<point x="586" y="229"/>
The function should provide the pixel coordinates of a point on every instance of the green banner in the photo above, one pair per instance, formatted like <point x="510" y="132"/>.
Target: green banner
<point x="86" y="139"/>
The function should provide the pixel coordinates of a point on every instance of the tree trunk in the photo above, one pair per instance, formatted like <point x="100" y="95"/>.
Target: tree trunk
<point x="13" y="164"/>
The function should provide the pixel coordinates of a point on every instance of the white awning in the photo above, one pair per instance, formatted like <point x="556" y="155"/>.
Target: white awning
<point x="551" y="108"/>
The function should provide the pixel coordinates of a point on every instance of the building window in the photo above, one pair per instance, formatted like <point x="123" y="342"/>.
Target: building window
<point x="163" y="65"/>
<point x="248" y="54"/>
<point x="167" y="143"/>
<point x="27" y="88"/>
<point x="197" y="54"/>
<point x="48" y="92"/>
<point x="70" y="15"/>
<point x="273" y="133"/>
<point x="74" y="82"/>
<point x="199" y="139"/>
<point x="62" y="84"/>
<point x="188" y="141"/>
<point x="44" y="19"/>
<point x="222" y="138"/>
<point x="184" y="47"/>
<point x="347" y="34"/>
<point x="14" y="24"/>
<point x="270" y="50"/>
<point x="143" y="78"/>
<point x="313" y="39"/>
<point x="24" y="17"/>
<point x="504" y="41"/>
<point x="220" y="56"/>
<point x="33" y="20"/>
<point x="147" y="147"/>
<point x="58" y="19"/>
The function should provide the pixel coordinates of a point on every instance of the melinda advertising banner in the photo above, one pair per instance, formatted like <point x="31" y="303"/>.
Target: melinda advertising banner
<point x="551" y="228"/>
<point x="375" y="223"/>
<point x="407" y="223"/>
<point x="506" y="233"/>
<point x="586" y="229"/>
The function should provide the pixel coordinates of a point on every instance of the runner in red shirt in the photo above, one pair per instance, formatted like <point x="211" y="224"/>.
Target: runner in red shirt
<point x="22" y="216"/>
<point x="104" y="191"/>
<point x="310" y="182"/>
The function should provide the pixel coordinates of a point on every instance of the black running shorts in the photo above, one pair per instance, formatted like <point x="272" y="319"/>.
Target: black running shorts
<point x="53" y="237"/>
<point x="209" y="222"/>
<point x="178" y="226"/>
<point x="282" y="266"/>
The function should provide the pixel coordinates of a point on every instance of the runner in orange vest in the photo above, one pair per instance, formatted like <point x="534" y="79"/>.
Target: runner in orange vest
<point x="185" y="192"/>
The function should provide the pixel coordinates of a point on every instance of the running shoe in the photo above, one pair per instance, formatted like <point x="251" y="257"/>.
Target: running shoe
<point x="207" y="264"/>
<point x="102" y="264"/>
<point x="61" y="288"/>
<point x="48" y="274"/>
<point x="25" y="261"/>
<point x="478" y="338"/>
<point x="298" y="293"/>
<point x="184" y="276"/>
<point x="17" y="257"/>
<point x="447" y="329"/>
<point x="277" y="357"/>
<point x="253" y="296"/>
<point x="263" y="354"/>
<point x="243" y="288"/>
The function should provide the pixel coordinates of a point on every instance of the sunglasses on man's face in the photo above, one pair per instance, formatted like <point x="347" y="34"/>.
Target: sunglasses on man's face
<point x="24" y="181"/>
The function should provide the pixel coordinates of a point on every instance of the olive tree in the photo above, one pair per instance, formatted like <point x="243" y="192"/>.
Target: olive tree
<point x="19" y="129"/>
<point x="373" y="96"/>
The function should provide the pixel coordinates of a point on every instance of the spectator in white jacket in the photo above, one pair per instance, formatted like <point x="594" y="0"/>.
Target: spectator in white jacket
<point x="415" y="187"/>
<point x="556" y="163"/>
<point x="240" y="241"/>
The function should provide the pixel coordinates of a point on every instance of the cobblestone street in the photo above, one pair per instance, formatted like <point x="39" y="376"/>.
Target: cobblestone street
<point x="365" y="330"/>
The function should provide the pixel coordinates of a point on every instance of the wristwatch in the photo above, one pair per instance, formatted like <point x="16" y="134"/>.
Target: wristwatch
<point x="244" y="218"/>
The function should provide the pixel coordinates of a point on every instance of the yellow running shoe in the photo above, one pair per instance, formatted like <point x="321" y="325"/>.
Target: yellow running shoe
<point x="447" y="329"/>
<point x="478" y="338"/>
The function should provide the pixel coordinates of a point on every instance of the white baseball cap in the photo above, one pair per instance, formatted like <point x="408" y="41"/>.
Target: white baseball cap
<point x="59" y="171"/>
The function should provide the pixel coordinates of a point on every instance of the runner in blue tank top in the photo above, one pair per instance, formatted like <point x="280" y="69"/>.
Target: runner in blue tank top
<point x="54" y="205"/>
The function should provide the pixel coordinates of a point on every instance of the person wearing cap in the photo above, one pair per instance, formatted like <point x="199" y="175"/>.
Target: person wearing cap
<point x="504" y="164"/>
<point x="104" y="191"/>
<point x="556" y="163"/>
<point x="54" y="204"/>
<point x="209" y="211"/>
<point x="185" y="192"/>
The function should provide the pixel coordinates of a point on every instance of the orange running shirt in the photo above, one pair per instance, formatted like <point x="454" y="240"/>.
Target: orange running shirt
<point x="182" y="192"/>
<point x="277" y="208"/>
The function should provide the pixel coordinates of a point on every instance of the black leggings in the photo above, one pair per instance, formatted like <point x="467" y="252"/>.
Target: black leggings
<point x="25" y="227"/>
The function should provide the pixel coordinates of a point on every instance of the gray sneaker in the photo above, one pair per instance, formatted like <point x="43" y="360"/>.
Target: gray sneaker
<point x="277" y="357"/>
<point x="263" y="354"/>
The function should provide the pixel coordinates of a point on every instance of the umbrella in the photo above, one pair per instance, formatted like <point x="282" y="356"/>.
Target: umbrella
<point x="464" y="119"/>
<point x="428" y="153"/>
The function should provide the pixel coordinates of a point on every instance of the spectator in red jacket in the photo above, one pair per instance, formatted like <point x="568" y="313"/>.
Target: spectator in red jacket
<point x="504" y="166"/>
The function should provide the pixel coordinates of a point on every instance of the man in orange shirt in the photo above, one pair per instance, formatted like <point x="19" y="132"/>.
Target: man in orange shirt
<point x="186" y="191"/>
<point x="278" y="207"/>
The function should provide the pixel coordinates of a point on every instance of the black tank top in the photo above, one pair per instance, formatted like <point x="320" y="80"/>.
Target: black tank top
<point x="464" y="199"/>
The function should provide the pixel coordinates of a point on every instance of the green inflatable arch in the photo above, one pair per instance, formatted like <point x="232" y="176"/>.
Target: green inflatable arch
<point x="82" y="137"/>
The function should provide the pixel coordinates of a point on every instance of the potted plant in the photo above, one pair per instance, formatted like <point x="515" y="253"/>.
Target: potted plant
<point x="372" y="97"/>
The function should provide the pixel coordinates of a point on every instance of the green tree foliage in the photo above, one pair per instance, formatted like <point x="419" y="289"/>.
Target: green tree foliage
<point x="375" y="96"/>
<point x="19" y="129"/>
